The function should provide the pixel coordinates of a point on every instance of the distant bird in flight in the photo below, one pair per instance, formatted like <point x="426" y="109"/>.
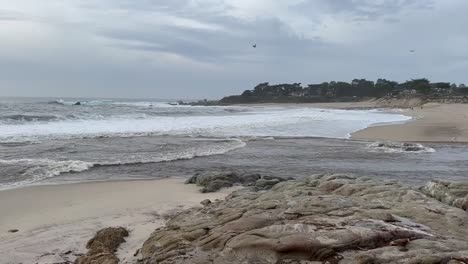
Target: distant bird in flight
<point x="254" y="46"/>
<point x="412" y="51"/>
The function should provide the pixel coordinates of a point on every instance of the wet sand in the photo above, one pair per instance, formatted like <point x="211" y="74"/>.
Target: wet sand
<point x="431" y="123"/>
<point x="58" y="219"/>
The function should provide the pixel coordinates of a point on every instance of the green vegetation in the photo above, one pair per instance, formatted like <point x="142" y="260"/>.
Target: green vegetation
<point x="356" y="90"/>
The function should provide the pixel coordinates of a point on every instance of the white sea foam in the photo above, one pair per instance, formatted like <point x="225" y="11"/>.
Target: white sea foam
<point x="281" y="122"/>
<point x="35" y="170"/>
<point x="112" y="102"/>
<point x="217" y="147"/>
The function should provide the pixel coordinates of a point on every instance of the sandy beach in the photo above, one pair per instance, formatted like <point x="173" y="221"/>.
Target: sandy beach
<point x="431" y="123"/>
<point x="54" y="222"/>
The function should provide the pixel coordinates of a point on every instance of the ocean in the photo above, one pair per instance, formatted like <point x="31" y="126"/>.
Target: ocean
<point x="54" y="141"/>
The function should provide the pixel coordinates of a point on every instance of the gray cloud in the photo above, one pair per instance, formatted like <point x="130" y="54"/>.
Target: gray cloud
<point x="202" y="48"/>
<point x="11" y="15"/>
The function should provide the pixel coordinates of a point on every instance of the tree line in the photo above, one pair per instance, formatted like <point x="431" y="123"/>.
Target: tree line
<point x="357" y="88"/>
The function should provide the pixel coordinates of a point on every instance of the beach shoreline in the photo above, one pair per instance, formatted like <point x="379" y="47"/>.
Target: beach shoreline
<point x="431" y="122"/>
<point x="55" y="221"/>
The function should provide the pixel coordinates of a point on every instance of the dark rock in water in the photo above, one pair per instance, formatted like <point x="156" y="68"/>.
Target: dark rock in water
<point x="412" y="149"/>
<point x="13" y="231"/>
<point x="77" y="103"/>
<point x="322" y="219"/>
<point x="451" y="193"/>
<point x="400" y="147"/>
<point x="214" y="181"/>
<point x="103" y="246"/>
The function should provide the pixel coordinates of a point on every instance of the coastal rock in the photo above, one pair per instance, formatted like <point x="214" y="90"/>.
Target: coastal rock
<point x="400" y="147"/>
<point x="103" y="246"/>
<point x="205" y="202"/>
<point x="264" y="184"/>
<point x="454" y="194"/>
<point x="326" y="218"/>
<point x="214" y="181"/>
<point x="216" y="185"/>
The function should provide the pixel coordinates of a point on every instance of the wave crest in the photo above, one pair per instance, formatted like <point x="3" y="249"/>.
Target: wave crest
<point x="34" y="170"/>
<point x="29" y="171"/>
<point x="27" y="118"/>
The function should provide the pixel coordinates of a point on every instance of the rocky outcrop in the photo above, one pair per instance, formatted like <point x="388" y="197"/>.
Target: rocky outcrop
<point x="322" y="219"/>
<point x="451" y="193"/>
<point x="400" y="147"/>
<point x="103" y="246"/>
<point x="214" y="181"/>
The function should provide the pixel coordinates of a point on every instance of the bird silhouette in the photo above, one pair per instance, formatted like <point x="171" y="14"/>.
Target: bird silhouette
<point x="412" y="51"/>
<point x="254" y="46"/>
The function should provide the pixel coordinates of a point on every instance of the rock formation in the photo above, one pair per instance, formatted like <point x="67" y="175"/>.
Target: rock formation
<point x="451" y="193"/>
<point x="322" y="219"/>
<point x="103" y="246"/>
<point x="214" y="181"/>
<point x="400" y="147"/>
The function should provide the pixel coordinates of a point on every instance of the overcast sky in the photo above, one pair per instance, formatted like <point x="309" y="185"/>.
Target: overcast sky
<point x="203" y="48"/>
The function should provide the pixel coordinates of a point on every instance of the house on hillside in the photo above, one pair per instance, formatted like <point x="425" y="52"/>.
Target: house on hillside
<point x="409" y="92"/>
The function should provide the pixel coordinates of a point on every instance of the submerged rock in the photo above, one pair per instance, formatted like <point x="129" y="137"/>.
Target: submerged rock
<point x="400" y="147"/>
<point x="103" y="246"/>
<point x="322" y="219"/>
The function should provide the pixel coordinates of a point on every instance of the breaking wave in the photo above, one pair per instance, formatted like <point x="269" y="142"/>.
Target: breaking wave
<point x="29" y="171"/>
<point x="282" y="122"/>
<point x="27" y="118"/>
<point x="34" y="170"/>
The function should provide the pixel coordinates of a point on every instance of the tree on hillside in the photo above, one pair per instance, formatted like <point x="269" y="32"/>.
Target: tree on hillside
<point x="247" y="93"/>
<point x="384" y="87"/>
<point x="420" y="85"/>
<point x="344" y="89"/>
<point x="441" y="85"/>
<point x="258" y="90"/>
<point x="323" y="88"/>
<point x="362" y="87"/>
